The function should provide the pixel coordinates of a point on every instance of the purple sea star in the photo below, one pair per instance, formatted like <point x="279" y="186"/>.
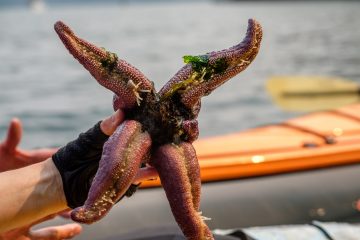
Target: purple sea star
<point x="159" y="126"/>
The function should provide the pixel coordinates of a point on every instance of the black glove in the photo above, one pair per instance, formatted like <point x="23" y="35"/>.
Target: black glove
<point x="78" y="162"/>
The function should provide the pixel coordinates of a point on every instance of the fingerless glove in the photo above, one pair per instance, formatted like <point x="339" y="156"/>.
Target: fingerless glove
<point x="78" y="162"/>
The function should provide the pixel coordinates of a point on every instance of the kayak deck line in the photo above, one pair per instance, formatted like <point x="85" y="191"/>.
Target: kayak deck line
<point x="298" y="144"/>
<point x="345" y="113"/>
<point x="327" y="139"/>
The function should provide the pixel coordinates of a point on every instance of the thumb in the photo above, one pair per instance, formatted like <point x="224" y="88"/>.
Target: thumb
<point x="56" y="232"/>
<point x="14" y="135"/>
<point x="144" y="174"/>
<point x="109" y="124"/>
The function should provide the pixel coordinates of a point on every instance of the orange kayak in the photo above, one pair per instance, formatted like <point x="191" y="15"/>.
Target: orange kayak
<point x="316" y="140"/>
<point x="295" y="172"/>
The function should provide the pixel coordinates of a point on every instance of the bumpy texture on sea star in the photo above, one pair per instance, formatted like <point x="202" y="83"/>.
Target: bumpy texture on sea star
<point x="159" y="126"/>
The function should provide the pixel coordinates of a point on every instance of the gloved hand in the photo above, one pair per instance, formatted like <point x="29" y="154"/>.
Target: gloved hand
<point x="78" y="161"/>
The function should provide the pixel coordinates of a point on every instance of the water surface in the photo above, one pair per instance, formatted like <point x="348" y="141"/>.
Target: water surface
<point x="56" y="98"/>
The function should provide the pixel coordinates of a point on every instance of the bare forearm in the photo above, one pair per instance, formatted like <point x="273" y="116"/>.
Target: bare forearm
<point x="29" y="194"/>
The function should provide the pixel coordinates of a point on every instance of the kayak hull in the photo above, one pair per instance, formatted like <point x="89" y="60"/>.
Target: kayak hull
<point x="294" y="198"/>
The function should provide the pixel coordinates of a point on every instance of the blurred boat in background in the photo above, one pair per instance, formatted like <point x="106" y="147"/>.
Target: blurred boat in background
<point x="312" y="93"/>
<point x="36" y="5"/>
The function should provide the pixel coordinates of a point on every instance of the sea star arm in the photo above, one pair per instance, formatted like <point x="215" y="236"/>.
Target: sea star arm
<point x="117" y="75"/>
<point x="179" y="172"/>
<point x="191" y="129"/>
<point x="205" y="73"/>
<point x="122" y="156"/>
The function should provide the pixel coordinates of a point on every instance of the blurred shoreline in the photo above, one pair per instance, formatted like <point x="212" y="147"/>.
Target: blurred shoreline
<point x="27" y="3"/>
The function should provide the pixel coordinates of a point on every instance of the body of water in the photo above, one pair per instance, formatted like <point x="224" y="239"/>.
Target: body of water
<point x="56" y="98"/>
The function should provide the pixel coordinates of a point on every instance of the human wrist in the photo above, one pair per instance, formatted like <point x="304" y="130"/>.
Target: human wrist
<point x="53" y="184"/>
<point x="49" y="193"/>
<point x="35" y="192"/>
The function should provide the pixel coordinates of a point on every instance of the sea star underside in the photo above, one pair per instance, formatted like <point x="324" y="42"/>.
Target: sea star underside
<point x="159" y="126"/>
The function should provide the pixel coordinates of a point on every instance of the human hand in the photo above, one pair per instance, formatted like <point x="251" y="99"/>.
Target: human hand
<point x="78" y="161"/>
<point x="66" y="231"/>
<point x="11" y="157"/>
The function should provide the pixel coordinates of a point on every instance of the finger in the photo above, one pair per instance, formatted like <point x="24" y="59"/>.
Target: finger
<point x="49" y="217"/>
<point x="146" y="173"/>
<point x="38" y="155"/>
<point x="56" y="232"/>
<point x="13" y="135"/>
<point x="109" y="124"/>
<point x="65" y="214"/>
